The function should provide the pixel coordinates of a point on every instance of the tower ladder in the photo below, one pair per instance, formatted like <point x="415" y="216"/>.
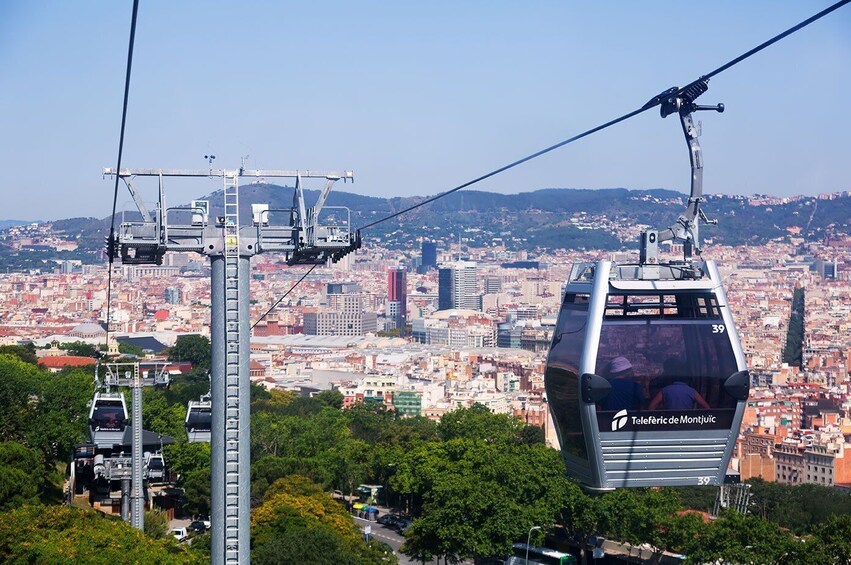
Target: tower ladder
<point x="232" y="322"/>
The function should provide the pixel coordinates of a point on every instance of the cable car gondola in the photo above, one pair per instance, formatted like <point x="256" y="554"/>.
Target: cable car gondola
<point x="199" y="421"/>
<point x="645" y="376"/>
<point x="107" y="419"/>
<point x="155" y="466"/>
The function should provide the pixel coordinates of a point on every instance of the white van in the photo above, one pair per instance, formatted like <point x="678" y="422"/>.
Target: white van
<point x="180" y="534"/>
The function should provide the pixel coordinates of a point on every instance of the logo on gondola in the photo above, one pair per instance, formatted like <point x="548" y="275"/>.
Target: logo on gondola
<point x="619" y="420"/>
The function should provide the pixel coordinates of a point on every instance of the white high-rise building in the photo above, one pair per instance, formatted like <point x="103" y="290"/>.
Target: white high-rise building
<point x="459" y="287"/>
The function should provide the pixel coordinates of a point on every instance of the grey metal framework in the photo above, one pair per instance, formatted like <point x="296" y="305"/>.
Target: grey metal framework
<point x="305" y="239"/>
<point x="129" y="375"/>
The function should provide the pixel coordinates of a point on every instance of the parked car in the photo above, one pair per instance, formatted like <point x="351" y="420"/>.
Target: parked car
<point x="388" y="520"/>
<point x="180" y="534"/>
<point x="197" y="527"/>
<point x="402" y="524"/>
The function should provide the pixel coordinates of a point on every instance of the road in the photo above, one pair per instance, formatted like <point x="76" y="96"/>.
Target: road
<point x="394" y="540"/>
<point x="388" y="536"/>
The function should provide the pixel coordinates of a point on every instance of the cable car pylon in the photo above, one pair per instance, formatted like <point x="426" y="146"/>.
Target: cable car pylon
<point x="304" y="235"/>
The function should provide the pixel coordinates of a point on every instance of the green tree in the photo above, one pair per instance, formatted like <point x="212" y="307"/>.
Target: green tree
<point x="161" y="416"/>
<point x="184" y="458"/>
<point x="25" y="353"/>
<point x="635" y="516"/>
<point x="797" y="507"/>
<point x="736" y="538"/>
<point x="792" y="352"/>
<point x="196" y="488"/>
<point x="79" y="348"/>
<point x="678" y="530"/>
<point x="332" y="398"/>
<point x="62" y="413"/>
<point x="277" y="402"/>
<point x="193" y="348"/>
<point x="22" y="475"/>
<point x="59" y="534"/>
<point x="833" y="536"/>
<point x="696" y="497"/>
<point x="479" y="497"/>
<point x="130" y="349"/>
<point x="581" y="515"/>
<point x="156" y="524"/>
<point x="287" y="522"/>
<point x="316" y="546"/>
<point x="20" y="384"/>
<point x="348" y="464"/>
<point x="479" y="423"/>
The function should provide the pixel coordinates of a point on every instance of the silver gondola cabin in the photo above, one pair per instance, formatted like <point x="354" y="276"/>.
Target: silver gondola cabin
<point x="645" y="377"/>
<point x="107" y="419"/>
<point x="199" y="421"/>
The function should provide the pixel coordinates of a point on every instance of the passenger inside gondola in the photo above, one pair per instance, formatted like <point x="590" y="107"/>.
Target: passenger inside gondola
<point x="626" y="392"/>
<point x="108" y="417"/>
<point x="678" y="394"/>
<point x="664" y="364"/>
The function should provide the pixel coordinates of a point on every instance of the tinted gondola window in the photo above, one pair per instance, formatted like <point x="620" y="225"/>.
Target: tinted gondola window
<point x="657" y="364"/>
<point x="562" y="376"/>
<point x="108" y="415"/>
<point x="200" y="419"/>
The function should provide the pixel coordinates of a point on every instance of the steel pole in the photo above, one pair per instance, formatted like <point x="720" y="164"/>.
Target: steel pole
<point x="138" y="497"/>
<point x="125" y="500"/>
<point x="218" y="401"/>
<point x="244" y="411"/>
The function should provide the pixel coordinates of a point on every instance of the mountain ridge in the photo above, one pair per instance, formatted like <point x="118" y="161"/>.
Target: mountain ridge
<point x="547" y="218"/>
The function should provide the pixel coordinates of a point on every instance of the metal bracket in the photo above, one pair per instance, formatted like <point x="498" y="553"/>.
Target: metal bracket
<point x="685" y="229"/>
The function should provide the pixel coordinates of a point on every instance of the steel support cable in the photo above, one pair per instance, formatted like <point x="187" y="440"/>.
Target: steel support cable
<point x="510" y="165"/>
<point x="111" y="243"/>
<point x="652" y="103"/>
<point x="275" y="305"/>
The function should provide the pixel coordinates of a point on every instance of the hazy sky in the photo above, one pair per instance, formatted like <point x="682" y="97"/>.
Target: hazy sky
<point x="415" y="97"/>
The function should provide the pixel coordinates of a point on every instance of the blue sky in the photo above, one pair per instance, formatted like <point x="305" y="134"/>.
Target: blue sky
<point x="415" y="97"/>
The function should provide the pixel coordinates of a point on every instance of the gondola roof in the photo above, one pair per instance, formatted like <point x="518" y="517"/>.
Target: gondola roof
<point x="150" y="440"/>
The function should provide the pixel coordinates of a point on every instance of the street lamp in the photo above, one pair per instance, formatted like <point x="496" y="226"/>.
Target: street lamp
<point x="529" y="537"/>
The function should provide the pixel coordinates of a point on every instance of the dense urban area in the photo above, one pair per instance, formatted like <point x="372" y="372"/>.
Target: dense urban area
<point x="408" y="380"/>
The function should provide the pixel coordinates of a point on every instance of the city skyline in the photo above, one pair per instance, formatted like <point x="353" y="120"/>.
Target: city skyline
<point x="397" y="93"/>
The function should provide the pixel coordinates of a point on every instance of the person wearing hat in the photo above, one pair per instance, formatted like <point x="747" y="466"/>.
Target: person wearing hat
<point x="626" y="393"/>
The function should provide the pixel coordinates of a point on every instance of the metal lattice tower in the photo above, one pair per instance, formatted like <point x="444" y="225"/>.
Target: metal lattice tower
<point x="137" y="494"/>
<point x="129" y="375"/>
<point x="236" y="496"/>
<point x="303" y="237"/>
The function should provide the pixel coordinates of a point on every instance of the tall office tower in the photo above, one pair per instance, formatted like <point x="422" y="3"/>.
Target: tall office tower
<point x="429" y="256"/>
<point x="457" y="287"/>
<point x="493" y="284"/>
<point x="172" y="295"/>
<point x="397" y="296"/>
<point x="445" y="289"/>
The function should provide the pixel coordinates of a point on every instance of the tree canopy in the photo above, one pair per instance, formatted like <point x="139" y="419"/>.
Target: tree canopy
<point x="300" y="523"/>
<point x="193" y="348"/>
<point x="59" y="534"/>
